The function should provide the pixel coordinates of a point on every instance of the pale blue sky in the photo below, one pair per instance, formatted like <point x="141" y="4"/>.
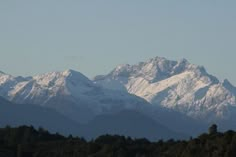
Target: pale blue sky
<point x="95" y="36"/>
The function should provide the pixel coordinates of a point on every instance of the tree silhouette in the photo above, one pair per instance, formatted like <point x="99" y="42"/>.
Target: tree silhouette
<point x="27" y="142"/>
<point x="212" y="129"/>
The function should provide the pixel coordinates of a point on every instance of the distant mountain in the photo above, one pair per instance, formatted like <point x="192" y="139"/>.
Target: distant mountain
<point x="176" y="94"/>
<point x="69" y="92"/>
<point x="126" y="122"/>
<point x="7" y="83"/>
<point x="73" y="95"/>
<point x="26" y="114"/>
<point x="80" y="99"/>
<point x="130" y="123"/>
<point x="177" y="85"/>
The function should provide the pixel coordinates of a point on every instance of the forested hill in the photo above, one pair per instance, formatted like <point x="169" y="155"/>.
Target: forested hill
<point x="26" y="141"/>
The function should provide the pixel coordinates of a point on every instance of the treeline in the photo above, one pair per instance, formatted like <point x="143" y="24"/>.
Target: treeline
<point x="26" y="141"/>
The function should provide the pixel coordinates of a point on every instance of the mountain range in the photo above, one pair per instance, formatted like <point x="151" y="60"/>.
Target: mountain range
<point x="177" y="85"/>
<point x="125" y="122"/>
<point x="156" y="99"/>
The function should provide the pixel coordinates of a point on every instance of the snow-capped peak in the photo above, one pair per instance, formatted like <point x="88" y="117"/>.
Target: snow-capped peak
<point x="7" y="83"/>
<point x="69" y="92"/>
<point x="157" y="59"/>
<point x="39" y="89"/>
<point x="72" y="74"/>
<point x="60" y="78"/>
<point x="155" y="69"/>
<point x="178" y="85"/>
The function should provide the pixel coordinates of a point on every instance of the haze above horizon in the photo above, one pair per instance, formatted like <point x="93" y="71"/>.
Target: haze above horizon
<point x="95" y="36"/>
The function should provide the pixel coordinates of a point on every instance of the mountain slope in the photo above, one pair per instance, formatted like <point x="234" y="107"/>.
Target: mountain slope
<point x="26" y="114"/>
<point x="176" y="85"/>
<point x="130" y="123"/>
<point x="7" y="83"/>
<point x="70" y="93"/>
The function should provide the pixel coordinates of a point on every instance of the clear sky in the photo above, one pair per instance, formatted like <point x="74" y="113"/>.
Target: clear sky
<point x="93" y="36"/>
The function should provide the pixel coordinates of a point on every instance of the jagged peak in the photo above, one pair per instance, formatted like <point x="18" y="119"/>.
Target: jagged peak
<point x="200" y="68"/>
<point x="157" y="58"/>
<point x="122" y="67"/>
<point x="157" y="68"/>
<point x="160" y="61"/>
<point x="121" y="70"/>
